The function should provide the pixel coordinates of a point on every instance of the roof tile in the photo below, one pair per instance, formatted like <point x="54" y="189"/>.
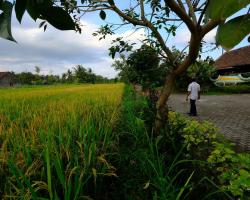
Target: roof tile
<point x="234" y="58"/>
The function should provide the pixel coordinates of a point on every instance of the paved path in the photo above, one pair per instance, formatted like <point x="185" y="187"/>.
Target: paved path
<point x="230" y="113"/>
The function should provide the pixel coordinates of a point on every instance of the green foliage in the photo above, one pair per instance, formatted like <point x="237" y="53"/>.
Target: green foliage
<point x="58" y="14"/>
<point x="231" y="89"/>
<point x="233" y="169"/>
<point x="126" y="73"/>
<point x="225" y="8"/>
<point x="37" y="69"/>
<point x="216" y="159"/>
<point x="229" y="36"/>
<point x="20" y="9"/>
<point x="189" y="161"/>
<point x="5" y="20"/>
<point x="45" y="10"/>
<point x="26" y="77"/>
<point x="145" y="58"/>
<point x="143" y="170"/>
<point x="197" y="135"/>
<point x="79" y="74"/>
<point x="83" y="75"/>
<point x="55" y="142"/>
<point x="141" y="67"/>
<point x="102" y="15"/>
<point x="58" y="18"/>
<point x="203" y="70"/>
<point x="221" y="153"/>
<point x="233" y="31"/>
<point x="145" y="64"/>
<point x="119" y="46"/>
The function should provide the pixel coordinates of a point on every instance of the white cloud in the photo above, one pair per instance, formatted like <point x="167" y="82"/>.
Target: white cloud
<point x="182" y="37"/>
<point x="210" y="37"/>
<point x="57" y="51"/>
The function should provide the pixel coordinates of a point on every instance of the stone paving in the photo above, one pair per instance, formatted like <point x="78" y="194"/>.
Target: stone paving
<point x="230" y="113"/>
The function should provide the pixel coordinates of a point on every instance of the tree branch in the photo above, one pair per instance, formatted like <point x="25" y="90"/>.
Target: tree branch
<point x="170" y="20"/>
<point x="210" y="25"/>
<point x="191" y="11"/>
<point x="160" y="40"/>
<point x="181" y="53"/>
<point x="147" y="24"/>
<point x="142" y="10"/>
<point x="192" y="55"/>
<point x="203" y="12"/>
<point x="181" y="14"/>
<point x="181" y="4"/>
<point x="94" y="9"/>
<point x="126" y="17"/>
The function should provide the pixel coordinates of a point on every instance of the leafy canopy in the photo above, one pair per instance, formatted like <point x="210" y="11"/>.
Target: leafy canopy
<point x="65" y="15"/>
<point x="46" y="10"/>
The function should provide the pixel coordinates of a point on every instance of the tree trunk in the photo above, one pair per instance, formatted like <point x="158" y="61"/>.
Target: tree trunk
<point x="161" y="106"/>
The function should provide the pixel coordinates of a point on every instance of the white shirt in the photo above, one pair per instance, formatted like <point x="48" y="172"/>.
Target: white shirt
<point x="194" y="88"/>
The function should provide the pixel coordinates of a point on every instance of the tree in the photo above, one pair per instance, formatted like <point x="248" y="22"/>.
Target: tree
<point x="83" y="75"/>
<point x="37" y="70"/>
<point x="69" y="75"/>
<point x="145" y="63"/>
<point x="126" y="73"/>
<point x="202" y="70"/>
<point x="80" y="74"/>
<point x="64" y="78"/>
<point x="50" y="79"/>
<point x="91" y="77"/>
<point x="158" y="17"/>
<point x="26" y="77"/>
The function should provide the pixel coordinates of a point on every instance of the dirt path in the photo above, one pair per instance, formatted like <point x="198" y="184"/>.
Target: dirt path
<point x="230" y="113"/>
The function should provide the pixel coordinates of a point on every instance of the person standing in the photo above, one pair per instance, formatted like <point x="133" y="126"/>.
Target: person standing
<point x="194" y="93"/>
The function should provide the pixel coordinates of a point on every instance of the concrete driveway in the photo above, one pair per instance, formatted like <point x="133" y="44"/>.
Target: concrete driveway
<point x="230" y="113"/>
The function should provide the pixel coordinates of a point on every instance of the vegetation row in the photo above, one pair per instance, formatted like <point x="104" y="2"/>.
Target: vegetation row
<point x="87" y="142"/>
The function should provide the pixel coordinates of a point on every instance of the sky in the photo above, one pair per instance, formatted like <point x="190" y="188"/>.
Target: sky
<point x="57" y="51"/>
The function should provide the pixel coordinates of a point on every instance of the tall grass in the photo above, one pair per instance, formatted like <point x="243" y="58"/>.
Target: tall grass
<point x="89" y="142"/>
<point x="54" y="141"/>
<point x="142" y="168"/>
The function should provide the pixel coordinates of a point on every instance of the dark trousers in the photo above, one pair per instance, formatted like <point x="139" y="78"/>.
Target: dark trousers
<point x="193" y="107"/>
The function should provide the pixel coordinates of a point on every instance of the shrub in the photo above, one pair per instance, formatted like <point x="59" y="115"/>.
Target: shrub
<point x="233" y="169"/>
<point x="212" y="157"/>
<point x="231" y="89"/>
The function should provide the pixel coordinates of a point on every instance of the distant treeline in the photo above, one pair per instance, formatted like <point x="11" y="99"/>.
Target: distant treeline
<point x="78" y="74"/>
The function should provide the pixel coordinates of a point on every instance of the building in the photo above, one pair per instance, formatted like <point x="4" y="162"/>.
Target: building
<point x="233" y="67"/>
<point x="6" y="79"/>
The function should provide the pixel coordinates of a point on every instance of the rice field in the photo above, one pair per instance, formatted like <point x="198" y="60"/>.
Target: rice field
<point x="54" y="141"/>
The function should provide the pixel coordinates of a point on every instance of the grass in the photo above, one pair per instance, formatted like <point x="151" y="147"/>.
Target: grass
<point x="55" y="140"/>
<point x="143" y="170"/>
<point x="87" y="142"/>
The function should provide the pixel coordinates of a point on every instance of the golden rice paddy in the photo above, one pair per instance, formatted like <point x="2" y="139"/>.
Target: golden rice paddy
<point x="55" y="139"/>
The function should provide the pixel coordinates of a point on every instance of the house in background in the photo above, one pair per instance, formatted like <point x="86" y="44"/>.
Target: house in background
<point x="7" y="79"/>
<point x="233" y="67"/>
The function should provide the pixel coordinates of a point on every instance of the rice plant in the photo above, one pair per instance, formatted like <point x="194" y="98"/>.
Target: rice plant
<point x="54" y="141"/>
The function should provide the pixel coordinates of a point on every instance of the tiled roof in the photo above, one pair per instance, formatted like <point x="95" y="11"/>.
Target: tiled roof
<point x="235" y="58"/>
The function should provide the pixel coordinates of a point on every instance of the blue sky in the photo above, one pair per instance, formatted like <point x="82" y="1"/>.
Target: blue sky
<point x="56" y="51"/>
